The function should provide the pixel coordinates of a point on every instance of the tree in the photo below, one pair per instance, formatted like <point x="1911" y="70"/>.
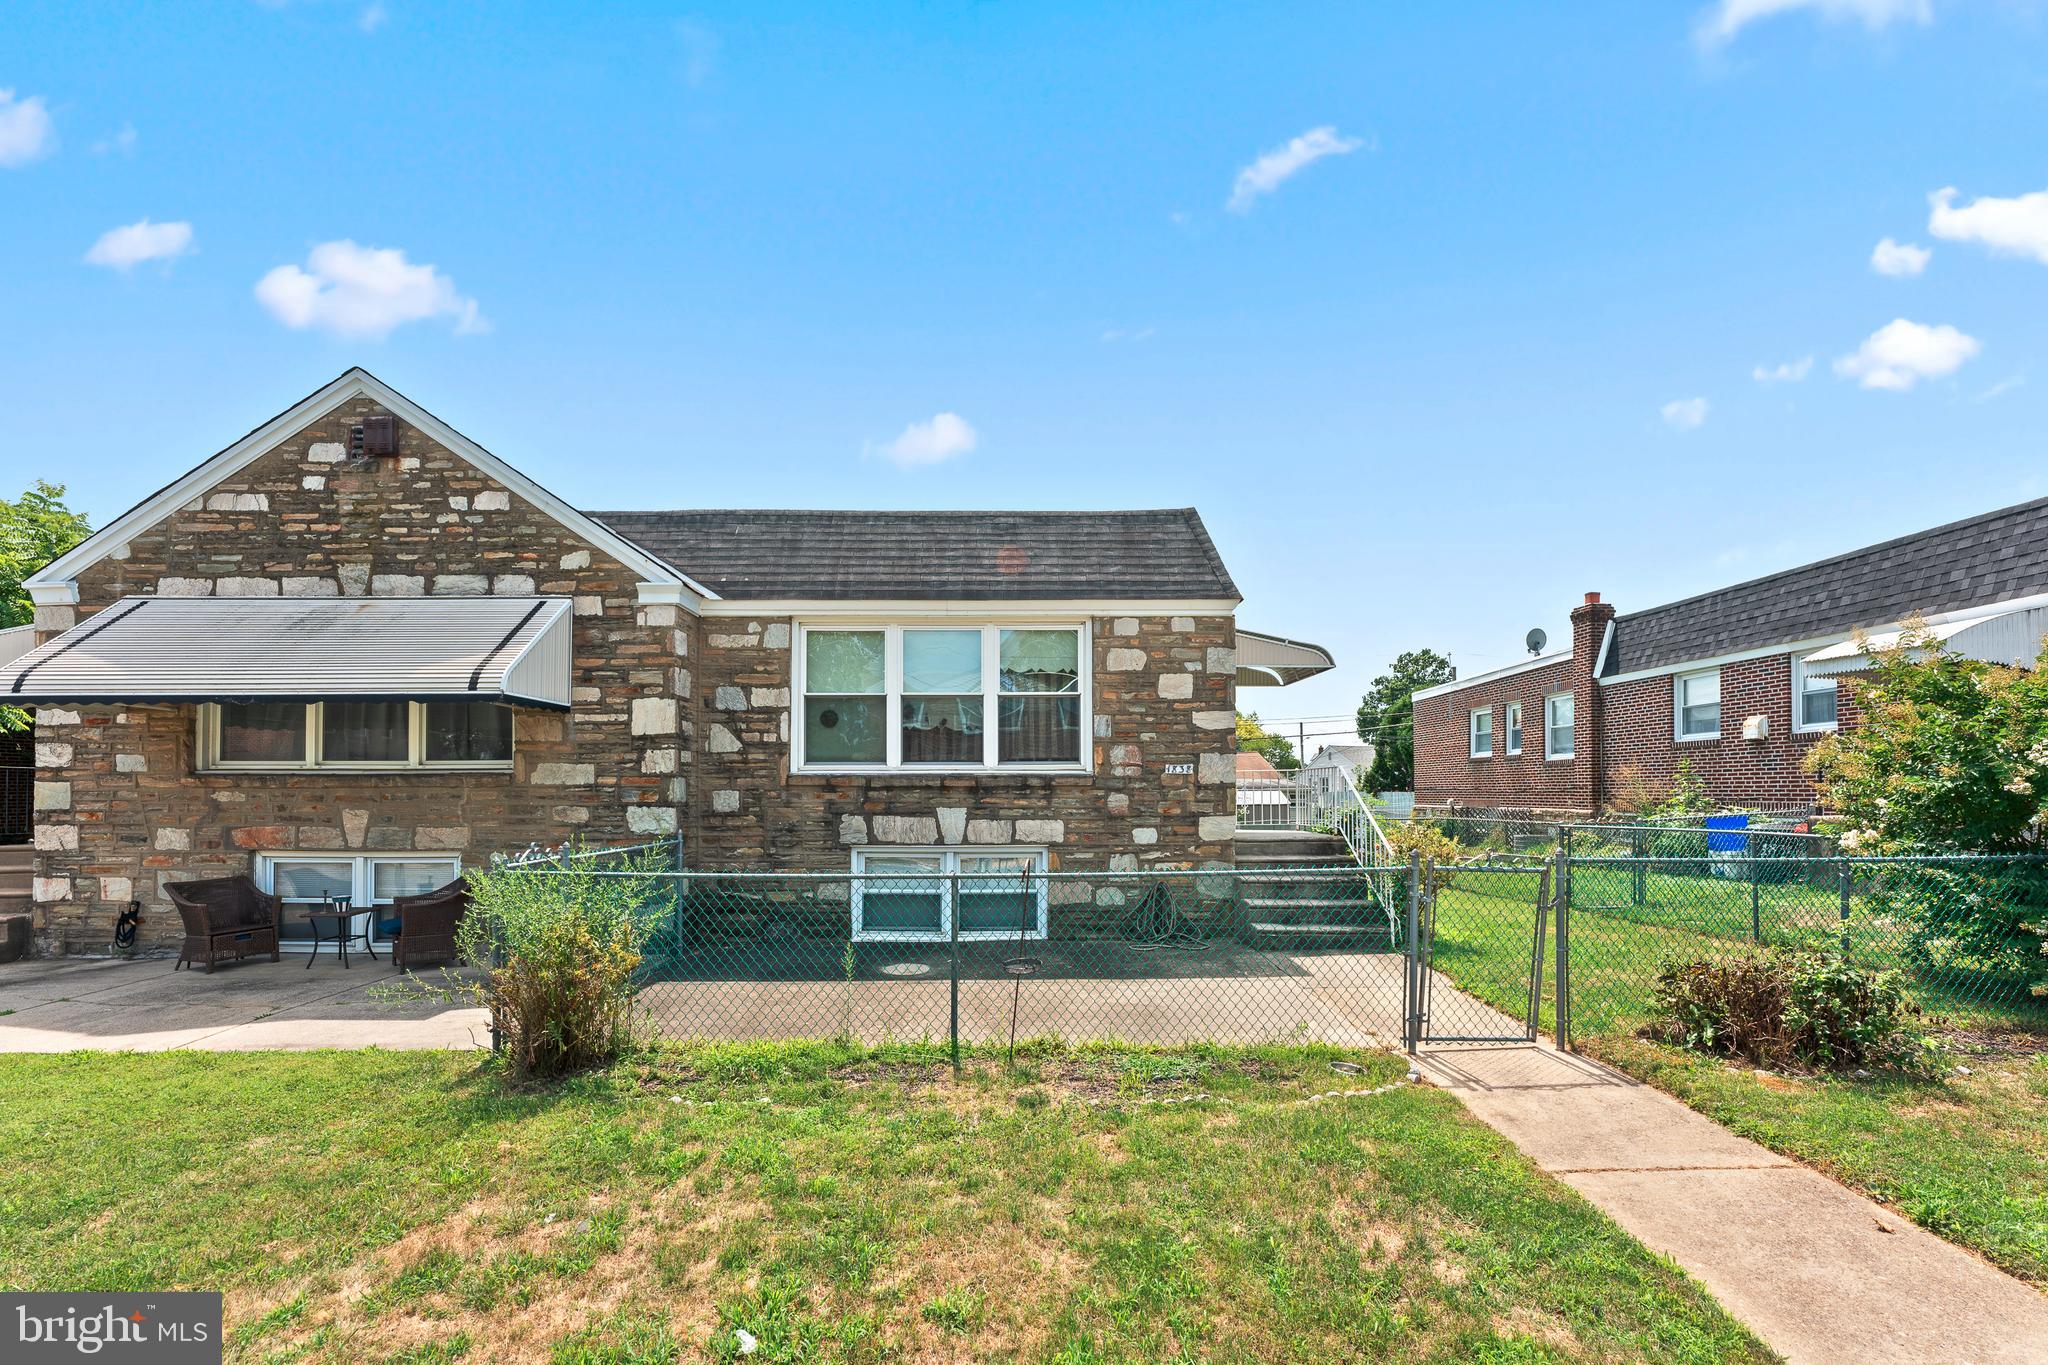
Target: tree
<point x="1254" y="738"/>
<point x="1950" y="755"/>
<point x="34" y="529"/>
<point x="1386" y="717"/>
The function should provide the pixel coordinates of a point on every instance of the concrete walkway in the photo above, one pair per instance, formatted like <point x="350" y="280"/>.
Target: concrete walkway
<point x="1817" y="1271"/>
<point x="69" y="1004"/>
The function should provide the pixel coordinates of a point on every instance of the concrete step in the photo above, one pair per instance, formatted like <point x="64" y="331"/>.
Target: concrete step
<point x="16" y="857"/>
<point x="1271" y="933"/>
<point x="1258" y="903"/>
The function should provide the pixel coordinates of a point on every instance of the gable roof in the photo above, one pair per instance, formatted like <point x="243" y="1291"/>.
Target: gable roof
<point x="1993" y="557"/>
<point x="842" y="556"/>
<point x="55" y="581"/>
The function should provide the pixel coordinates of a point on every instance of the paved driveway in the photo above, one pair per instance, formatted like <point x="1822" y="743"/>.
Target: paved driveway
<point x="68" y="1004"/>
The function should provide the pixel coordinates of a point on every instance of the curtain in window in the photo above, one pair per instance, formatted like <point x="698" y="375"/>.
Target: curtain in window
<point x="468" y="732"/>
<point x="263" y="732"/>
<point x="364" y="732"/>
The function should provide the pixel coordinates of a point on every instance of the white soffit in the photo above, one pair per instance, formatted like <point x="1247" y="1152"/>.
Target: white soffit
<point x="1271" y="661"/>
<point x="192" y="649"/>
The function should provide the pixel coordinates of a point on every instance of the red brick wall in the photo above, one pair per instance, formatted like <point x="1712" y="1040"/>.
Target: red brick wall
<point x="1445" y="771"/>
<point x="1641" y="743"/>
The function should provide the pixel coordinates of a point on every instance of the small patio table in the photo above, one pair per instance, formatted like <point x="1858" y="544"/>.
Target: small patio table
<point x="340" y="911"/>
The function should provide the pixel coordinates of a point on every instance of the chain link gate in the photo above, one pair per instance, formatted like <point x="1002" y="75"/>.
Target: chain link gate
<point x="1476" y="939"/>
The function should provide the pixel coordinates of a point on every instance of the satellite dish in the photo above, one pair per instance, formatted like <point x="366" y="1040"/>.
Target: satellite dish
<point x="1536" y="639"/>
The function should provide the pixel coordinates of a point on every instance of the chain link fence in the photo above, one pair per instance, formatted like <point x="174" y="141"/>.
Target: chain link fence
<point x="1370" y="955"/>
<point x="1951" y="927"/>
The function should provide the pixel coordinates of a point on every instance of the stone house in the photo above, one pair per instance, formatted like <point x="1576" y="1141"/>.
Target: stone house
<point x="1739" y="682"/>
<point x="355" y="652"/>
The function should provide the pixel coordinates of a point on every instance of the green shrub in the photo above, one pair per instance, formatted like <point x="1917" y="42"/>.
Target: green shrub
<point x="558" y="944"/>
<point x="1776" y="1008"/>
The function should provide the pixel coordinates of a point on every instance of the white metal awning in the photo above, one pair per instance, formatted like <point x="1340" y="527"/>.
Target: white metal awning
<point x="142" y="649"/>
<point x="1270" y="661"/>
<point x="2010" y="637"/>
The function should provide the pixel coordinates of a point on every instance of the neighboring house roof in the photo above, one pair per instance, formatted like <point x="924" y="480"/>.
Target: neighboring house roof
<point x="1995" y="557"/>
<point x="1256" y="768"/>
<point x="1352" y="755"/>
<point x="840" y="556"/>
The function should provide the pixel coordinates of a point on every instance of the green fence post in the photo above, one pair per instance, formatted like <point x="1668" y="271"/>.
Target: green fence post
<point x="1756" y="903"/>
<point x="1412" y="978"/>
<point x="1561" y="978"/>
<point x="1639" y="881"/>
<point x="953" y="958"/>
<point x="1848" y="880"/>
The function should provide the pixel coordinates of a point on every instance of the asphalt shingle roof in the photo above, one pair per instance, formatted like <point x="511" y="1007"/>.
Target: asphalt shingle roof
<point x="1163" y="553"/>
<point x="1980" y="560"/>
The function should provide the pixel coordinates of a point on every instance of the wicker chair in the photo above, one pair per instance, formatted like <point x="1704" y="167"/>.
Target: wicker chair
<point x="225" y="917"/>
<point x="423" y="926"/>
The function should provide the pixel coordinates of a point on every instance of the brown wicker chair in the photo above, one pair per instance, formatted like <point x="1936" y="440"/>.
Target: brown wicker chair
<point x="225" y="917"/>
<point x="423" y="926"/>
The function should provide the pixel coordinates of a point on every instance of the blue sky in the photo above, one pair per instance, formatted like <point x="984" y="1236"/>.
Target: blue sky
<point x="1478" y="334"/>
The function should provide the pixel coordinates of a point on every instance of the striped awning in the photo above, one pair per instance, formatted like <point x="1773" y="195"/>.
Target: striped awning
<point x="153" y="649"/>
<point x="1999" y="637"/>
<point x="1271" y="661"/>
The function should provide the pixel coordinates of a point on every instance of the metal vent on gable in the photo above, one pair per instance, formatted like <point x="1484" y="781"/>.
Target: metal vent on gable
<point x="375" y="437"/>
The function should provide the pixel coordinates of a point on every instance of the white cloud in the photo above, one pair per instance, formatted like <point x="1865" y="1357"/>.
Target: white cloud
<point x="1684" y="414"/>
<point x="926" y="443"/>
<point x="122" y="142"/>
<point x="373" y="17"/>
<point x="1899" y="258"/>
<point x="1900" y="354"/>
<point x="1786" y="372"/>
<point x="1719" y="25"/>
<point x="359" y="291"/>
<point x="1113" y="335"/>
<point x="124" y="248"/>
<point x="1273" y="168"/>
<point x="2001" y="388"/>
<point x="700" y="52"/>
<point x="2017" y="227"/>
<point x="25" y="129"/>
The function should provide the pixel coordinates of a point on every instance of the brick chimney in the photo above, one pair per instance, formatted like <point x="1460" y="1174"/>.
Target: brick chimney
<point x="1590" y="620"/>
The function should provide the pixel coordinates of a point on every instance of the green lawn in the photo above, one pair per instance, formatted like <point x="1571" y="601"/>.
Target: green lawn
<point x="1964" y="1155"/>
<point x="368" y="1207"/>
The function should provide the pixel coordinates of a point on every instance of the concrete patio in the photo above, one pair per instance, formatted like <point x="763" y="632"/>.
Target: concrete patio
<point x="74" y="1004"/>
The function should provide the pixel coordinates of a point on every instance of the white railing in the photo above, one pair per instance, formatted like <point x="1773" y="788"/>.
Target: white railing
<point x="1326" y="800"/>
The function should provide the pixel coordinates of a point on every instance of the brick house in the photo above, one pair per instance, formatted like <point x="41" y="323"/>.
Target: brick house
<point x="355" y="652"/>
<point x="1740" y="681"/>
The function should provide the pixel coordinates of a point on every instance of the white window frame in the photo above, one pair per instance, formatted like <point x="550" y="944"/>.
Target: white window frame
<point x="992" y="695"/>
<point x="362" y="881"/>
<point x="209" y="735"/>
<point x="1472" y="749"/>
<point x="1678" y="703"/>
<point x="1800" y="677"/>
<point x="1550" y="754"/>
<point x="1514" y="728"/>
<point x="949" y="867"/>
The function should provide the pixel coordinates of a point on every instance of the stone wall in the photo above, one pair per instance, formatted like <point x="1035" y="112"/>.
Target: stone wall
<point x="1164" y="696"/>
<point x="120" y="807"/>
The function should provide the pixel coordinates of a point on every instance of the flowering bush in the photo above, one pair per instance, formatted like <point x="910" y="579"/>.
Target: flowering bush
<point x="1951" y="755"/>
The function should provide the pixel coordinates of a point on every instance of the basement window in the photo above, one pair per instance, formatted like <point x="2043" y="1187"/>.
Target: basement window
<point x="916" y="894"/>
